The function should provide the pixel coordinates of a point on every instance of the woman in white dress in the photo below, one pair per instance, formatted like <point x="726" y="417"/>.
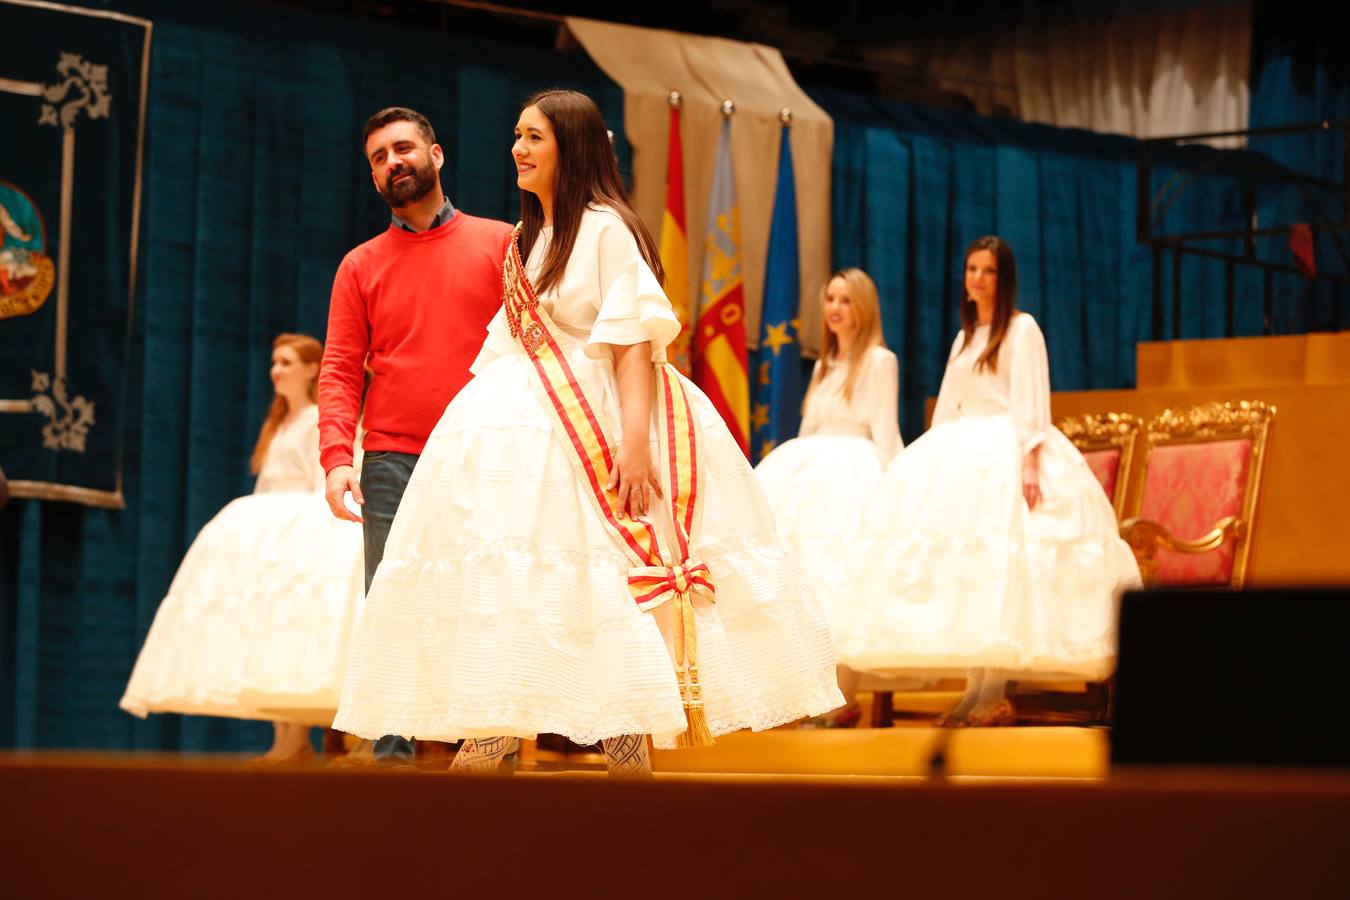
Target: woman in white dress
<point x="819" y="483"/>
<point x="989" y="548"/>
<point x="259" y="616"/>
<point x="507" y="603"/>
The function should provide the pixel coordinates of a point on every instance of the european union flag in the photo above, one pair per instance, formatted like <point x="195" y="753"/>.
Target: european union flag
<point x="775" y="412"/>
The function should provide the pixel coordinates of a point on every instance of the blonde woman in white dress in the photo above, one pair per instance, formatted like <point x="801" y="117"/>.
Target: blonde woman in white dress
<point x="819" y="483"/>
<point x="989" y="549"/>
<point x="258" y="619"/>
<point x="504" y="605"/>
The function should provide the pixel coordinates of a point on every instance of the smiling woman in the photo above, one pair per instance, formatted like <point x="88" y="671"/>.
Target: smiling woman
<point x="562" y="135"/>
<point x="536" y="154"/>
<point x="819" y="482"/>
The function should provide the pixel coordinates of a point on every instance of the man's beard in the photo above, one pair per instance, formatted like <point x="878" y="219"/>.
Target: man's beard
<point x="410" y="190"/>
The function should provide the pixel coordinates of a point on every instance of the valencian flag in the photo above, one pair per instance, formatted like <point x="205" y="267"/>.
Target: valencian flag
<point x="775" y="414"/>
<point x="719" y="336"/>
<point x="72" y="100"/>
<point x="674" y="243"/>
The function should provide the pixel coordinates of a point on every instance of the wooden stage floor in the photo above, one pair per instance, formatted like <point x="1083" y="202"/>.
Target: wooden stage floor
<point x="912" y="752"/>
<point x="1019" y="813"/>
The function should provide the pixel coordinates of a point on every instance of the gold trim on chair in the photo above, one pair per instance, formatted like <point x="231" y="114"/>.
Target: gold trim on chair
<point x="1106" y="431"/>
<point x="1204" y="423"/>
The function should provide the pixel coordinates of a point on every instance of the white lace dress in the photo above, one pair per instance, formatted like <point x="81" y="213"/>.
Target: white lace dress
<point x="959" y="573"/>
<point x="259" y="617"/>
<point x="819" y="483"/>
<point x="501" y="606"/>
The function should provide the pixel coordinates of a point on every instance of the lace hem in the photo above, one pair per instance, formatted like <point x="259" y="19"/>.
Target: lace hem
<point x="663" y="720"/>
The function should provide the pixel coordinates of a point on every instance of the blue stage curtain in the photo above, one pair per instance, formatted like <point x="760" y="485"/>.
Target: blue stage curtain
<point x="913" y="186"/>
<point x="1300" y="75"/>
<point x="255" y="186"/>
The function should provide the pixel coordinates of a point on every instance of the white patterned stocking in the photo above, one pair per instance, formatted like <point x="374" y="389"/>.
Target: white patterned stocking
<point x="481" y="756"/>
<point x="626" y="756"/>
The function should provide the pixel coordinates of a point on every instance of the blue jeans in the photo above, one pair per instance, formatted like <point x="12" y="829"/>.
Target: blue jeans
<point x="384" y="476"/>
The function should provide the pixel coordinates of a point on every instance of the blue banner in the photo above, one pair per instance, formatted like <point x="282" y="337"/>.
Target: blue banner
<point x="72" y="100"/>
<point x="775" y="413"/>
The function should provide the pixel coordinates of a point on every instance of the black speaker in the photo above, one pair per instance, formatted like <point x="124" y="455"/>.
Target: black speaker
<point x="1258" y="677"/>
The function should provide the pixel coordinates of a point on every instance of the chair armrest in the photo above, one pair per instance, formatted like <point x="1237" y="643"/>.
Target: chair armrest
<point x="1145" y="536"/>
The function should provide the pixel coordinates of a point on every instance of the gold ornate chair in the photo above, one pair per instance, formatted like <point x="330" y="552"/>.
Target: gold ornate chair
<point x="1191" y="518"/>
<point x="1107" y="442"/>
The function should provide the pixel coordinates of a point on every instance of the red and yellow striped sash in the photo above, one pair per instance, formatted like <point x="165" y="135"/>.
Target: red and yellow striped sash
<point x="657" y="573"/>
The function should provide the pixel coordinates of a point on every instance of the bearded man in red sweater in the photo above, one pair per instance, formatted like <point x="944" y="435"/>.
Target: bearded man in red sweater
<point x="412" y="304"/>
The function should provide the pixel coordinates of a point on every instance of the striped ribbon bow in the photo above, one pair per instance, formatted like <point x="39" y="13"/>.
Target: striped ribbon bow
<point x="653" y="585"/>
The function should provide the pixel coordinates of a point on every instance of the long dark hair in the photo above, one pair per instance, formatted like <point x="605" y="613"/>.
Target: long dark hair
<point x="588" y="172"/>
<point x="1005" y="299"/>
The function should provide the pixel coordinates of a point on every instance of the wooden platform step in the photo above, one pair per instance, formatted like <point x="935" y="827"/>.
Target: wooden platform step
<point x="993" y="752"/>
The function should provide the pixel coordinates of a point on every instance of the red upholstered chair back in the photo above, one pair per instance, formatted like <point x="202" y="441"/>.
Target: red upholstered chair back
<point x="1187" y="489"/>
<point x="1105" y="464"/>
<point x="1192" y="516"/>
<point x="1107" y="442"/>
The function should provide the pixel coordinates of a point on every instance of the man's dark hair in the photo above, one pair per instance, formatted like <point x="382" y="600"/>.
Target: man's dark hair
<point x="397" y="114"/>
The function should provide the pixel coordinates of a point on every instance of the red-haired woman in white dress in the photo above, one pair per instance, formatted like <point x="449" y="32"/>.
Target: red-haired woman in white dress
<point x="258" y="619"/>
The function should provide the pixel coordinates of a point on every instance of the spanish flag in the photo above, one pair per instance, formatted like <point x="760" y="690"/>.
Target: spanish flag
<point x="719" y="336"/>
<point x="674" y="245"/>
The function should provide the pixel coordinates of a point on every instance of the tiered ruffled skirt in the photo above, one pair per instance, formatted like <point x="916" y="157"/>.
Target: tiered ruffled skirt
<point x="818" y="487"/>
<point x="259" y="617"/>
<point x="953" y="571"/>
<point x="501" y="606"/>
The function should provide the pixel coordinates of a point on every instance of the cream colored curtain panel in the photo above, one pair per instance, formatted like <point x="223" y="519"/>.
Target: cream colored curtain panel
<point x="648" y="64"/>
<point x="1146" y="75"/>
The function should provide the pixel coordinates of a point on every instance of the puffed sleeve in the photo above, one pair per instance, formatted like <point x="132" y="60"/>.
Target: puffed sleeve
<point x="810" y="415"/>
<point x="633" y="308"/>
<point x="883" y="390"/>
<point x="947" y="399"/>
<point x="1029" y="385"/>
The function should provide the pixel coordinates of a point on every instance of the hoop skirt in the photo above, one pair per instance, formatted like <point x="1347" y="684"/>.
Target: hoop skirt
<point x="501" y="606"/>
<point x="819" y="483"/>
<point x="960" y="574"/>
<point x="260" y="615"/>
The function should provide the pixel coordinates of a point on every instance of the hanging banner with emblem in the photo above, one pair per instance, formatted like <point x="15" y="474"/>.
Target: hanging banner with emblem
<point x="72" y="102"/>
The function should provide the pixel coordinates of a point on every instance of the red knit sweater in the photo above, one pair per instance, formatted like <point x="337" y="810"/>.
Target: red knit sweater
<point x="419" y="305"/>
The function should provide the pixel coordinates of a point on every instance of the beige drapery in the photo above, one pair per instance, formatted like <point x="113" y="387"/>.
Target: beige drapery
<point x="1144" y="75"/>
<point x="650" y="63"/>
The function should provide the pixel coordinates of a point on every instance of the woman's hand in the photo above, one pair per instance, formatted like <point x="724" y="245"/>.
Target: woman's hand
<point x="634" y="477"/>
<point x="1031" y="478"/>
